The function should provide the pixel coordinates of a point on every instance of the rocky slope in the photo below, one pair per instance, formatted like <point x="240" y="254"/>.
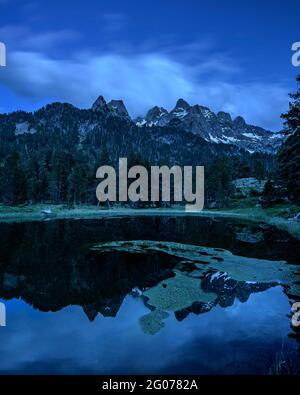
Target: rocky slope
<point x="184" y="122"/>
<point x="108" y="125"/>
<point x="217" y="128"/>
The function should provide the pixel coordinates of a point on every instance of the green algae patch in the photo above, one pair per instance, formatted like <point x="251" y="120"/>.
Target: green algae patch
<point x="184" y="251"/>
<point x="177" y="293"/>
<point x="152" y="323"/>
<point x="181" y="289"/>
<point x="255" y="270"/>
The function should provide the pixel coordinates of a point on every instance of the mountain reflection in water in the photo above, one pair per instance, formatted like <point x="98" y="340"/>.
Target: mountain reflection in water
<point x="157" y="304"/>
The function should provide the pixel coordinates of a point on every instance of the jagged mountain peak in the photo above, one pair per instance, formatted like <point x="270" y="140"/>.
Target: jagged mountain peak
<point x="99" y="104"/>
<point x="217" y="128"/>
<point x="114" y="107"/>
<point x="155" y="112"/>
<point x="155" y="116"/>
<point x="118" y="108"/>
<point x="224" y="117"/>
<point x="181" y="104"/>
<point x="239" y="121"/>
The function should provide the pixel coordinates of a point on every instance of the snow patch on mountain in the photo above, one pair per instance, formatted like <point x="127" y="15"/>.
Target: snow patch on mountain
<point x="217" y="128"/>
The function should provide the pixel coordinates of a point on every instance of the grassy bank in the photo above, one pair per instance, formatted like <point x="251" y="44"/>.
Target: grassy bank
<point x="277" y="216"/>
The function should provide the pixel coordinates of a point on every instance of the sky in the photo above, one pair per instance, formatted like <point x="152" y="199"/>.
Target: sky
<point x="229" y="55"/>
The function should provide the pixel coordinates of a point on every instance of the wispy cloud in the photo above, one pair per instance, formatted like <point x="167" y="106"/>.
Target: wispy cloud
<point x="21" y="37"/>
<point x="144" y="78"/>
<point x="50" y="39"/>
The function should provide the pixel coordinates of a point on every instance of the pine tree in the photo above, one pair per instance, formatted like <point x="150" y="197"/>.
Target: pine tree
<point x="259" y="169"/>
<point x="77" y="184"/>
<point x="292" y="116"/>
<point x="219" y="182"/>
<point x="289" y="154"/>
<point x="268" y="198"/>
<point x="14" y="180"/>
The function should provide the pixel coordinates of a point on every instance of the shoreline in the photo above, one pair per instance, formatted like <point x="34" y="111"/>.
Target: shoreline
<point x="58" y="212"/>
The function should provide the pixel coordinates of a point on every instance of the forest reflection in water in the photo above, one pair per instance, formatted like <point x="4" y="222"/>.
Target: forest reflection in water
<point x="51" y="267"/>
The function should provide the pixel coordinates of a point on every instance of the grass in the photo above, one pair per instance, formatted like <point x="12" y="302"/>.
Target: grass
<point x="276" y="216"/>
<point x="245" y="209"/>
<point x="284" y="210"/>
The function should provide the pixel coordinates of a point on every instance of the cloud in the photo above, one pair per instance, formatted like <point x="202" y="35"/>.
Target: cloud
<point x="143" y="80"/>
<point x="260" y="103"/>
<point x="21" y="37"/>
<point x="50" y="39"/>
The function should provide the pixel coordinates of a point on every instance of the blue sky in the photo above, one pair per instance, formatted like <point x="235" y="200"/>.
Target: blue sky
<point x="228" y="55"/>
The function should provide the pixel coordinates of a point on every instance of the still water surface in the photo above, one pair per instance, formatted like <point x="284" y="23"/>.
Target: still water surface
<point x="71" y="311"/>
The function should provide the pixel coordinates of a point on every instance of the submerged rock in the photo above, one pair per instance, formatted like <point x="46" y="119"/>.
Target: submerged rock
<point x="245" y="187"/>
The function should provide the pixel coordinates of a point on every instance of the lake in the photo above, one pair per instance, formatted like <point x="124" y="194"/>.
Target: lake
<point x="142" y="295"/>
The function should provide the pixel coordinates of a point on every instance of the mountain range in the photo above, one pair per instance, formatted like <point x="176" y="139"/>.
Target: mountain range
<point x="199" y="121"/>
<point x="217" y="128"/>
<point x="52" y="154"/>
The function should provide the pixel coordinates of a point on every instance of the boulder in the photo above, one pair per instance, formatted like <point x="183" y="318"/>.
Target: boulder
<point x="245" y="187"/>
